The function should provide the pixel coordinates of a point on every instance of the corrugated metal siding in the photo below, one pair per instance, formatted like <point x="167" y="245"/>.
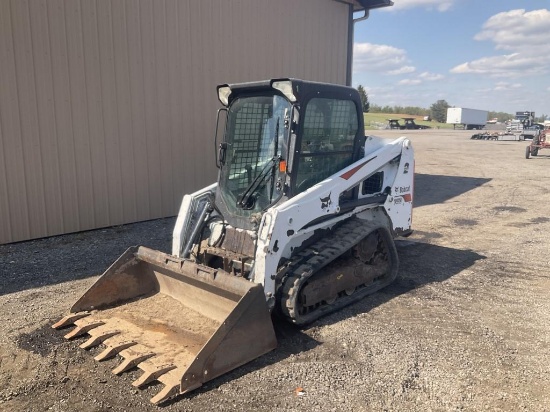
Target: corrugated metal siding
<point x="107" y="107"/>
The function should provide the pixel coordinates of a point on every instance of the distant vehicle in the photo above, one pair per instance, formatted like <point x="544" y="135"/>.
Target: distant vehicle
<point x="523" y="121"/>
<point x="539" y="142"/>
<point x="468" y="119"/>
<point x="427" y="119"/>
<point x="493" y="121"/>
<point x="526" y="118"/>
<point x="514" y="126"/>
<point x="394" y="124"/>
<point x="409" y="124"/>
<point x="531" y="132"/>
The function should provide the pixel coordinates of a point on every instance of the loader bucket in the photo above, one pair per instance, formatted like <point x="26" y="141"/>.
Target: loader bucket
<point x="181" y="323"/>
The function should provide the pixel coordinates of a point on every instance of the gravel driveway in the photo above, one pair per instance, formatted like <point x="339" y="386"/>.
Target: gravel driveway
<point x="466" y="326"/>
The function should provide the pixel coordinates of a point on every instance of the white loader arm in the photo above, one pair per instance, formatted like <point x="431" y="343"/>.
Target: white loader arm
<point x="320" y="206"/>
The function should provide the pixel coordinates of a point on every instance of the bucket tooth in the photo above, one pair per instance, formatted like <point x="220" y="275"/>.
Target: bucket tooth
<point x="131" y="359"/>
<point x="97" y="339"/>
<point x="69" y="319"/>
<point x="151" y="373"/>
<point x="114" y="348"/>
<point x="168" y="392"/>
<point x="172" y="385"/>
<point x="83" y="326"/>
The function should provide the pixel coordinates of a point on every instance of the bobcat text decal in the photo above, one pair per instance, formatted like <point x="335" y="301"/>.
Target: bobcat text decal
<point x="402" y="192"/>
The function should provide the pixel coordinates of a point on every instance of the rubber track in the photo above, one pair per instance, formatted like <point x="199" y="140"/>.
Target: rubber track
<point x="311" y="260"/>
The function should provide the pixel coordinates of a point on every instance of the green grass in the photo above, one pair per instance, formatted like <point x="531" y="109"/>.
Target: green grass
<point x="375" y="121"/>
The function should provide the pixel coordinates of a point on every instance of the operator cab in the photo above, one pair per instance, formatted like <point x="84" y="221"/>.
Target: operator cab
<point x="280" y="138"/>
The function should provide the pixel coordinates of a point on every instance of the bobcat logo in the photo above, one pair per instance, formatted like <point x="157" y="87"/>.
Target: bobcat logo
<point x="326" y="201"/>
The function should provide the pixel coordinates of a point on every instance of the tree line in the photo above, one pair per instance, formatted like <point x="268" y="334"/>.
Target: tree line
<point x="412" y="110"/>
<point x="437" y="111"/>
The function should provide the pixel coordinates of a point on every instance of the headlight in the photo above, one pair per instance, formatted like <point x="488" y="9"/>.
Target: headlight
<point x="224" y="92"/>
<point x="285" y="87"/>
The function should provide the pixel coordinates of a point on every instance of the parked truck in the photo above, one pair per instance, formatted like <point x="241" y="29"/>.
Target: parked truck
<point x="525" y="118"/>
<point x="524" y="123"/>
<point x="469" y="119"/>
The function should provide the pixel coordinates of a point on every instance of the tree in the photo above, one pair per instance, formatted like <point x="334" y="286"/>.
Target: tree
<point x="540" y="119"/>
<point x="364" y="99"/>
<point x="374" y="108"/>
<point x="438" y="111"/>
<point x="500" y="116"/>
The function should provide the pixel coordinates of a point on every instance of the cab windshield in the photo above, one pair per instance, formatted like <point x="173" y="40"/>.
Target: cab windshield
<point x="250" y="178"/>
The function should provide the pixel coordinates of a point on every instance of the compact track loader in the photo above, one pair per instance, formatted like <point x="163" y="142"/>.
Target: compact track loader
<point x="300" y="223"/>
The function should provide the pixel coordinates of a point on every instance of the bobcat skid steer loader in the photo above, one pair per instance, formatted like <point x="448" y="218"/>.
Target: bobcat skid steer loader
<point x="300" y="223"/>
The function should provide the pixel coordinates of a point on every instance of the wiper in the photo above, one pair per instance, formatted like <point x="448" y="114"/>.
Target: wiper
<point x="269" y="169"/>
<point x="243" y="201"/>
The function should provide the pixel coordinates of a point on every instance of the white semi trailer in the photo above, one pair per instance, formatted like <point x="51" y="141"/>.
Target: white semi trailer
<point x="467" y="118"/>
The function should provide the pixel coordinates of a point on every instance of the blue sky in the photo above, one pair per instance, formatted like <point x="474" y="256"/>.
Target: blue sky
<point x="480" y="54"/>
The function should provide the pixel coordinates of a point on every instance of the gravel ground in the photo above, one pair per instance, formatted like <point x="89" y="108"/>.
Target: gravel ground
<point x="466" y="326"/>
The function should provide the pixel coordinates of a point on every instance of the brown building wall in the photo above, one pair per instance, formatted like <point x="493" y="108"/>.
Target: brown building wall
<point x="107" y="107"/>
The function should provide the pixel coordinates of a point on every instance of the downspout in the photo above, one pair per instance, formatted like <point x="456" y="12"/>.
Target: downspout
<point x="351" y="30"/>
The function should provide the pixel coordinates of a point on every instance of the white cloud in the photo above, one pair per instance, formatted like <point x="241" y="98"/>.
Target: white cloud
<point x="517" y="30"/>
<point x="508" y="65"/>
<point x="430" y="76"/>
<point x="439" y="5"/>
<point x="378" y="58"/>
<point x="506" y="86"/>
<point x="402" y="70"/>
<point x="522" y="33"/>
<point x="409" y="82"/>
<point x="421" y="78"/>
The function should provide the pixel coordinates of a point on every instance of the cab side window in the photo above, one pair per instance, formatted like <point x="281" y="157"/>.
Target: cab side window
<point x="329" y="130"/>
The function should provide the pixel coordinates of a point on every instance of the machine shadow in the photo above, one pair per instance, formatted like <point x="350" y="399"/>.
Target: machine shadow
<point x="434" y="189"/>
<point x="420" y="263"/>
<point x="57" y="259"/>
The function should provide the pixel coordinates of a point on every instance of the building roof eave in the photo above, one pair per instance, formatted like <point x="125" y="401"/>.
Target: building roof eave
<point x="366" y="5"/>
